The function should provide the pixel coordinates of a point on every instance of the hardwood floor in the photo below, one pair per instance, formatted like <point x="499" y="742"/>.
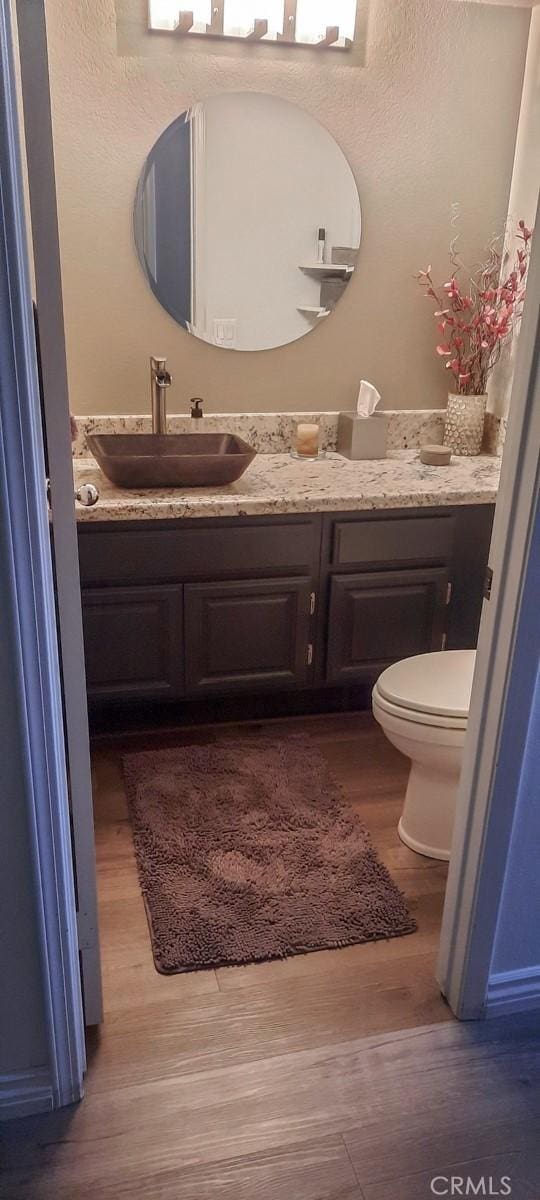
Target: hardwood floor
<point x="338" y="1075"/>
<point x="312" y="996"/>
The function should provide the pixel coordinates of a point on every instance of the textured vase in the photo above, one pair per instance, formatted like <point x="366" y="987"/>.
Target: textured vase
<point x="464" y="424"/>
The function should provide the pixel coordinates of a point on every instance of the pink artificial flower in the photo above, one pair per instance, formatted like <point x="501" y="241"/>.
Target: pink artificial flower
<point x="481" y="318"/>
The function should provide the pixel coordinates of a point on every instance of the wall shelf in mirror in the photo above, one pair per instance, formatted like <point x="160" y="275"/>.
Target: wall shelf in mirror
<point x="337" y="269"/>
<point x="286" y="22"/>
<point x="314" y="313"/>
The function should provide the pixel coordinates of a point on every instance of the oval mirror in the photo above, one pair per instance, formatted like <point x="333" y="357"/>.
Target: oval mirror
<point x="247" y="221"/>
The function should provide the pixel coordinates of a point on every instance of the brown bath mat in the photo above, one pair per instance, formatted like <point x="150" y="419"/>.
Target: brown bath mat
<point x="247" y="851"/>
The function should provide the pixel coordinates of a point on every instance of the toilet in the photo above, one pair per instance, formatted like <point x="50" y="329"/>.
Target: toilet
<point x="422" y="704"/>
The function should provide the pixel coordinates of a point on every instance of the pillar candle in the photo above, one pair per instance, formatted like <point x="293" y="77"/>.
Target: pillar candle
<point x="307" y="440"/>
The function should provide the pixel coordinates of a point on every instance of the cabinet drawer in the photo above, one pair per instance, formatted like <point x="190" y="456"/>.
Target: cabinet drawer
<point x="247" y="636"/>
<point x="166" y="555"/>
<point x="392" y="540"/>
<point x="376" y="619"/>
<point x="133" y="642"/>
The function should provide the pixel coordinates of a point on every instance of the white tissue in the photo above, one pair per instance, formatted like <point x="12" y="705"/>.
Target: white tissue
<point x="368" y="399"/>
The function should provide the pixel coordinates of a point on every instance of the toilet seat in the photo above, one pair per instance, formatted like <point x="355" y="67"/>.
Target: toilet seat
<point x="432" y="689"/>
<point x="416" y="716"/>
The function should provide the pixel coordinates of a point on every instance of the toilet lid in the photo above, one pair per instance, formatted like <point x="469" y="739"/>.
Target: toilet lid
<point x="437" y="683"/>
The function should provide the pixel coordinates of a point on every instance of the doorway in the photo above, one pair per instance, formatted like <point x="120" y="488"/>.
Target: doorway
<point x="341" y="748"/>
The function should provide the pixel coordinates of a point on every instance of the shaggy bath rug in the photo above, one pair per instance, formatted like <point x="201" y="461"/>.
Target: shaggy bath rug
<point x="247" y="851"/>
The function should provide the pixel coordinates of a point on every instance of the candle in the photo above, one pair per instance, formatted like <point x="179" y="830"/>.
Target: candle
<point x="307" y="440"/>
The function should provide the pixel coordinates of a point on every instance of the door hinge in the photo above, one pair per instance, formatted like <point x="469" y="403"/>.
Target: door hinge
<point x="310" y="654"/>
<point x="488" y="583"/>
<point x="86" y="931"/>
<point x="448" y="593"/>
<point x="312" y="603"/>
<point x="444" y="641"/>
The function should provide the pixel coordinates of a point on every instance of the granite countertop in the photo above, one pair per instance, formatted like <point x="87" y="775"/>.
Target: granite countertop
<point x="278" y="483"/>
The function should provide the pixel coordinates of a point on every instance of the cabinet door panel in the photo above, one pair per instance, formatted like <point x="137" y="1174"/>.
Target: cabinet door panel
<point x="376" y="619"/>
<point x="247" y="635"/>
<point x="133" y="642"/>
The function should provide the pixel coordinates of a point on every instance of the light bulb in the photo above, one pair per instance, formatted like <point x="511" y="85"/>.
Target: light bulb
<point x="164" y="13"/>
<point x="313" y="17"/>
<point x="240" y="16"/>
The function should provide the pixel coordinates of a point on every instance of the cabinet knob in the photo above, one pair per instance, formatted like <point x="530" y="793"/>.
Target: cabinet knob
<point x="87" y="494"/>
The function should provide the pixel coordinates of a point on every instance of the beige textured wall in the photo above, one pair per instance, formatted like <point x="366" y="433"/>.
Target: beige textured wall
<point x="524" y="195"/>
<point x="430" y="119"/>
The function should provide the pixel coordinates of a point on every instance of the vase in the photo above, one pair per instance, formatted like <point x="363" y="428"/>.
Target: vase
<point x="464" y="424"/>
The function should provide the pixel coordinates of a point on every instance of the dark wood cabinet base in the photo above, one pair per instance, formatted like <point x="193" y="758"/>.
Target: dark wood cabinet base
<point x="113" y="719"/>
<point x="288" y="614"/>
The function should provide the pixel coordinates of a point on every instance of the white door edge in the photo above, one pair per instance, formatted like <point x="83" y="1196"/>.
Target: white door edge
<point x="42" y="191"/>
<point x="38" y="683"/>
<point x="494" y="748"/>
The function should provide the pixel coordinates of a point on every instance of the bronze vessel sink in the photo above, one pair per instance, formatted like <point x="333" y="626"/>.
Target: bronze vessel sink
<point x="140" y="460"/>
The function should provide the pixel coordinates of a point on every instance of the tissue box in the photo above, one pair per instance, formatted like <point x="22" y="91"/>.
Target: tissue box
<point x="344" y="256"/>
<point x="332" y="290"/>
<point x="362" y="437"/>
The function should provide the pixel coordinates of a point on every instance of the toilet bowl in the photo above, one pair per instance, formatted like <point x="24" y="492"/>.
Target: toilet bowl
<point x="422" y="704"/>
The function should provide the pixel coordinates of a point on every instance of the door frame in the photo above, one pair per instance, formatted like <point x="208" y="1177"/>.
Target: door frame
<point x="37" y="686"/>
<point x="34" y="72"/>
<point x="502" y="697"/>
<point x="485" y="814"/>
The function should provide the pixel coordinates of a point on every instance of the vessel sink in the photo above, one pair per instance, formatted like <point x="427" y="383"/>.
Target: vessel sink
<point x="140" y="460"/>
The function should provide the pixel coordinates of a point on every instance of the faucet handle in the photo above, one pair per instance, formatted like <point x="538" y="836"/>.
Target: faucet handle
<point x="158" y="369"/>
<point x="196" y="407"/>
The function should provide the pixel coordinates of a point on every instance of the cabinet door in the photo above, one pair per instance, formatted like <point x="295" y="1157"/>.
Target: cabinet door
<point x="247" y="635"/>
<point x="133" y="642"/>
<point x="376" y="619"/>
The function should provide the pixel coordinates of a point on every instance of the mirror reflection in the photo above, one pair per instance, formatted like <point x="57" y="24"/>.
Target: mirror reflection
<point x="247" y="221"/>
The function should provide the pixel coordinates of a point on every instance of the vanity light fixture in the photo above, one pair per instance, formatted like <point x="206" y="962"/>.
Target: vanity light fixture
<point x="321" y="23"/>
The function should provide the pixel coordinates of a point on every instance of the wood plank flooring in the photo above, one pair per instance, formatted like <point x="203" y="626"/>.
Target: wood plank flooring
<point x="305" y="998"/>
<point x="338" y="1075"/>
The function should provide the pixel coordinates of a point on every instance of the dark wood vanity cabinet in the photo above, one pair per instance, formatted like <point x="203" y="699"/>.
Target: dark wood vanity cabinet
<point x="200" y="608"/>
<point x="197" y="608"/>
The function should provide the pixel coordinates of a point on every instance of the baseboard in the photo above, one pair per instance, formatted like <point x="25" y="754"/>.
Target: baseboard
<point x="513" y="991"/>
<point x="24" y="1093"/>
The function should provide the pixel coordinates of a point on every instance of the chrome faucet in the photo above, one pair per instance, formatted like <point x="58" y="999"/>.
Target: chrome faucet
<point x="160" y="380"/>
